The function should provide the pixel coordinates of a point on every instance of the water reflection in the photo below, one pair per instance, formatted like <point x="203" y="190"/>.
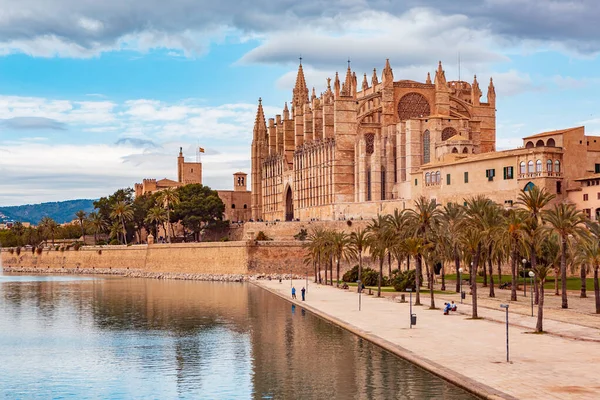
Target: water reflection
<point x="135" y="338"/>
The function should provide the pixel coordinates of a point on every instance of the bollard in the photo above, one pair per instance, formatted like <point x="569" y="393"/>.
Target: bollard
<point x="413" y="319"/>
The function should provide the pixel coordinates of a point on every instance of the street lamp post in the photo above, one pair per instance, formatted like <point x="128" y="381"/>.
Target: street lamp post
<point x="505" y="306"/>
<point x="460" y="270"/>
<point x="531" y="275"/>
<point x="524" y="279"/>
<point x="410" y="306"/>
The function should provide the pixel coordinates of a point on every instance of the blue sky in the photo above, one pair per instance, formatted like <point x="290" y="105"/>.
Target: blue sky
<point x="95" y="96"/>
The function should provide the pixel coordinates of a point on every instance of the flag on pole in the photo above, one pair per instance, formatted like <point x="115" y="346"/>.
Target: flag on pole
<point x="201" y="149"/>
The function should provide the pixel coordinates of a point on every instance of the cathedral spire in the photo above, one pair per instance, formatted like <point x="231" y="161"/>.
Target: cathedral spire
<point x="365" y="83"/>
<point x="336" y="85"/>
<point x="388" y="76"/>
<point x="440" y="78"/>
<point x="348" y="82"/>
<point x="491" y="93"/>
<point x="374" y="79"/>
<point x="260" y="125"/>
<point x="314" y="94"/>
<point x="300" y="89"/>
<point x="428" y="80"/>
<point x="286" y="112"/>
<point x="475" y="92"/>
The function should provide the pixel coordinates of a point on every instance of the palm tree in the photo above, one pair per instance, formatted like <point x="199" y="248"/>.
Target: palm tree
<point x="342" y="250"/>
<point x="512" y="238"/>
<point x="156" y="216"/>
<point x="476" y="233"/>
<point x="50" y="226"/>
<point x="316" y="250"/>
<point x="123" y="213"/>
<point x="397" y="228"/>
<point x="97" y="223"/>
<point x="534" y="200"/>
<point x="377" y="236"/>
<point x="424" y="218"/>
<point x="565" y="220"/>
<point x="453" y="220"/>
<point x="414" y="247"/>
<point x="81" y="217"/>
<point x="548" y="252"/>
<point x="359" y="243"/>
<point x="168" y="197"/>
<point x="589" y="254"/>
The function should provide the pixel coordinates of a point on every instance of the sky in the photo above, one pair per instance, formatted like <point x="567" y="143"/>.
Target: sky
<point x="97" y="95"/>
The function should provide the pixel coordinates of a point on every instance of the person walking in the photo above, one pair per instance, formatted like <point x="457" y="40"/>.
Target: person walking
<point x="303" y="291"/>
<point x="293" y="292"/>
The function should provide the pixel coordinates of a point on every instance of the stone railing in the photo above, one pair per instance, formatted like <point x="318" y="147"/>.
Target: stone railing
<point x="542" y="174"/>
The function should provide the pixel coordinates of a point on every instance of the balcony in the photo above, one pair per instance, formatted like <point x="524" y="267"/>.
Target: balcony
<point x="543" y="174"/>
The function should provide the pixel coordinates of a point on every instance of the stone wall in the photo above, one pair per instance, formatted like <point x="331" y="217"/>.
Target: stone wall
<point x="180" y="258"/>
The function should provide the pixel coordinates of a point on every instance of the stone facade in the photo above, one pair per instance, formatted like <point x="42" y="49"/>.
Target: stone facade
<point x="353" y="153"/>
<point x="354" y="145"/>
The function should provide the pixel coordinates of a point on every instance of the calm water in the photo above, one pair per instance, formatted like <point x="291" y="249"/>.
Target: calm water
<point x="64" y="337"/>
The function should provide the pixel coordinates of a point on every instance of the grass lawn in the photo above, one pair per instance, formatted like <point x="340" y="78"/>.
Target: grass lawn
<point x="391" y="289"/>
<point x="573" y="283"/>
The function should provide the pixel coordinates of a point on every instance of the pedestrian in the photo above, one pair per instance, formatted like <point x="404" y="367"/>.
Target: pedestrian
<point x="303" y="294"/>
<point x="293" y="292"/>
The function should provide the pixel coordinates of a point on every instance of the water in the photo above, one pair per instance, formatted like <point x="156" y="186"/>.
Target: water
<point x="82" y="337"/>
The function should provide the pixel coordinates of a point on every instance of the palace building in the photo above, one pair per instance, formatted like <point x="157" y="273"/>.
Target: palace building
<point x="236" y="201"/>
<point x="354" y="152"/>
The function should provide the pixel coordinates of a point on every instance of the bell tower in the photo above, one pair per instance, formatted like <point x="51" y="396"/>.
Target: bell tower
<point x="239" y="182"/>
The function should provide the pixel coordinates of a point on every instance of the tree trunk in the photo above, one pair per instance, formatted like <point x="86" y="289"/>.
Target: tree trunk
<point x="484" y="270"/>
<point x="432" y="305"/>
<point x="596" y="290"/>
<point x="390" y="264"/>
<point x="513" y="271"/>
<point x="418" y="280"/>
<point x="563" y="272"/>
<point x="331" y="270"/>
<point x="491" y="267"/>
<point x="124" y="232"/>
<point x="379" y="277"/>
<point x="534" y="268"/>
<point x="338" y="273"/>
<point x="315" y="267"/>
<point x="457" y="267"/>
<point x="407" y="263"/>
<point x="360" y="268"/>
<point x="429" y="281"/>
<point x="476" y="257"/>
<point x="499" y="271"/>
<point x="582" y="275"/>
<point x="556" y="282"/>
<point x="443" y="278"/>
<point x="326" y="268"/>
<point x="95" y="238"/>
<point x="540" y="317"/>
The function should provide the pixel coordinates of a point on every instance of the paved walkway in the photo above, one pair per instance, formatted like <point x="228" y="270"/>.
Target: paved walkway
<point x="471" y="353"/>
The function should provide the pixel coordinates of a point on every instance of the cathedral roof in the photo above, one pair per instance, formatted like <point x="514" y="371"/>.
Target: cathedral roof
<point x="457" y="138"/>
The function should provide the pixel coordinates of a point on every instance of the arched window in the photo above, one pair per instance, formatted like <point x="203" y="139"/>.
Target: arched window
<point x="438" y="177"/>
<point x="551" y="143"/>
<point x="454" y="150"/>
<point x="530" y="169"/>
<point x="529" y="145"/>
<point x="529" y="186"/>
<point x="465" y="151"/>
<point x="427" y="178"/>
<point x="556" y="166"/>
<point x="523" y="170"/>
<point x="539" y="143"/>
<point x="549" y="166"/>
<point x="370" y="143"/>
<point x="538" y="166"/>
<point x="426" y="146"/>
<point x="233" y="206"/>
<point x="245" y="206"/>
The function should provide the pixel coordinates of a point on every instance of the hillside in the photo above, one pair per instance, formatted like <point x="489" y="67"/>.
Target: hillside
<point x="61" y="212"/>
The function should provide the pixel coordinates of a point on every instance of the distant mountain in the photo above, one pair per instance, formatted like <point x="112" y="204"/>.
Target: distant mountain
<point x="61" y="211"/>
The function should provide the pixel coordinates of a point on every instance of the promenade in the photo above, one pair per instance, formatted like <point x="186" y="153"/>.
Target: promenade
<point x="470" y="353"/>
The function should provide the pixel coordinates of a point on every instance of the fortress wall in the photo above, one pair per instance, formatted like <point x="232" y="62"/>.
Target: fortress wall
<point x="285" y="231"/>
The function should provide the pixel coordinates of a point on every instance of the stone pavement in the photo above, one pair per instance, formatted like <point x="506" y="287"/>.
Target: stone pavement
<point x="470" y="353"/>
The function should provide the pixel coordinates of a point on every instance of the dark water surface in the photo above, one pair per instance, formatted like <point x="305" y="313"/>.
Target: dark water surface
<point x="63" y="337"/>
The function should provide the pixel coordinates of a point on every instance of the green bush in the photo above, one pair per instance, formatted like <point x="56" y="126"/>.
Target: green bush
<point x="114" y="242"/>
<point x="101" y="243"/>
<point x="404" y="280"/>
<point x="369" y="276"/>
